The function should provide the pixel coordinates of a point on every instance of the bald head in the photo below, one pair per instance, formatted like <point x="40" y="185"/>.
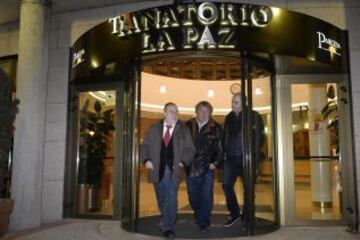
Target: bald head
<point x="236" y="103"/>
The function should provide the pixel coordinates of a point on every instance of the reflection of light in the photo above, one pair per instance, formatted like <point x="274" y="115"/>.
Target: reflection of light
<point x="276" y="11"/>
<point x="294" y="127"/>
<point x="102" y="93"/>
<point x="266" y="130"/>
<point x="97" y="97"/>
<point x="94" y="63"/>
<point x="91" y="133"/>
<point x="332" y="49"/>
<point x="162" y="89"/>
<point x="306" y="125"/>
<point x="258" y="91"/>
<point x="211" y="93"/>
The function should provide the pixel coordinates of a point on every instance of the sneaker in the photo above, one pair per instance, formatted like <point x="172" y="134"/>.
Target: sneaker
<point x="232" y="221"/>
<point x="169" y="234"/>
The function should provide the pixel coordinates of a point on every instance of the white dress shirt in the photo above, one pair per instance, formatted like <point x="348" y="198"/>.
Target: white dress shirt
<point x="171" y="129"/>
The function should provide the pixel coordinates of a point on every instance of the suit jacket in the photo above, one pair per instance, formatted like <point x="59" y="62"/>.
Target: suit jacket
<point x="183" y="149"/>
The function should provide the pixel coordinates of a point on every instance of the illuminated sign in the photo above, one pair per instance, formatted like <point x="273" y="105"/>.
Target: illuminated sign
<point x="202" y="26"/>
<point x="78" y="57"/>
<point x="328" y="44"/>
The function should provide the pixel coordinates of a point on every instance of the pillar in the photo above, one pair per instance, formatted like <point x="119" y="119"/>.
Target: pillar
<point x="321" y="185"/>
<point x="27" y="175"/>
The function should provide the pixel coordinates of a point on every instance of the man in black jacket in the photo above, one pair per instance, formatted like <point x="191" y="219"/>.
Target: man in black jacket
<point x="206" y="134"/>
<point x="233" y="149"/>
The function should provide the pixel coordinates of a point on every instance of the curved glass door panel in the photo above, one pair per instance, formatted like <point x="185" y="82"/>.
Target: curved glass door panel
<point x="215" y="81"/>
<point x="264" y="159"/>
<point x="259" y="158"/>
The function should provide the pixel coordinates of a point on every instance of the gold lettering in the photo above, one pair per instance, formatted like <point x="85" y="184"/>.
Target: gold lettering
<point x="114" y="21"/>
<point x="227" y="15"/>
<point x="175" y="22"/>
<point x="165" y="42"/>
<point x="190" y="36"/>
<point x="243" y="16"/>
<point x="187" y="11"/>
<point x="227" y="38"/>
<point x="147" y="46"/>
<point x="260" y="17"/>
<point x="206" y="40"/>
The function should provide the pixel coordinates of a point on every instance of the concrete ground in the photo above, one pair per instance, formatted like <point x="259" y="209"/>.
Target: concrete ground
<point x="101" y="230"/>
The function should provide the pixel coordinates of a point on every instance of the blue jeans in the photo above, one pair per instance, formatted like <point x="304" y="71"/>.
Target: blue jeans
<point x="200" y="191"/>
<point x="232" y="169"/>
<point x="166" y="194"/>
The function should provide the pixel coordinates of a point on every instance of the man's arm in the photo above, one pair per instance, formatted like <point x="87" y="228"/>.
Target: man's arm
<point x="189" y="149"/>
<point x="218" y="161"/>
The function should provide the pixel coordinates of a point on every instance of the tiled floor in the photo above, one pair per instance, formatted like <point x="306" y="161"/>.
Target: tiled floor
<point x="108" y="230"/>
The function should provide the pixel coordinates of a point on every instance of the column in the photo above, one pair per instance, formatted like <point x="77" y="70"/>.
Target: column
<point x="27" y="173"/>
<point x="321" y="185"/>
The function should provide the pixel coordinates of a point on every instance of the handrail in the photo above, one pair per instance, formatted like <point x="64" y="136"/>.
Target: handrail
<point x="316" y="157"/>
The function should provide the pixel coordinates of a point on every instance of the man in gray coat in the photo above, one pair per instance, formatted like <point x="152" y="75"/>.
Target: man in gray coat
<point x="166" y="149"/>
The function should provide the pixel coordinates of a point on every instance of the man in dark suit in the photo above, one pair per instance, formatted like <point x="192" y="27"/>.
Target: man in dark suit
<point x="166" y="149"/>
<point x="233" y="166"/>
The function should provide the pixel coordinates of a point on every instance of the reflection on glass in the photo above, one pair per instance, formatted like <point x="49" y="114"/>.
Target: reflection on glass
<point x="96" y="152"/>
<point x="316" y="162"/>
<point x="264" y="183"/>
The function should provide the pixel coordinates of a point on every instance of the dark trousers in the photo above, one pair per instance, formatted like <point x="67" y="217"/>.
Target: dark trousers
<point x="166" y="194"/>
<point x="233" y="168"/>
<point x="200" y="192"/>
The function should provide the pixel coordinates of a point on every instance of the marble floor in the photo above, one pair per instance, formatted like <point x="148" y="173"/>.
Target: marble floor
<point x="108" y="230"/>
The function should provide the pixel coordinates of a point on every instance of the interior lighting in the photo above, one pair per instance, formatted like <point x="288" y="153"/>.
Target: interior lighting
<point x="162" y="89"/>
<point x="211" y="93"/>
<point x="97" y="97"/>
<point x="258" y="91"/>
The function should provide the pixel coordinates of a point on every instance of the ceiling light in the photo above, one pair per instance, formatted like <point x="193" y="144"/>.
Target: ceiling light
<point x="276" y="11"/>
<point x="258" y="91"/>
<point x="211" y="93"/>
<point x="162" y="89"/>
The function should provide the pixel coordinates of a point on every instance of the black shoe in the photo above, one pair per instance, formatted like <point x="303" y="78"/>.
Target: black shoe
<point x="204" y="228"/>
<point x="169" y="234"/>
<point x="232" y="221"/>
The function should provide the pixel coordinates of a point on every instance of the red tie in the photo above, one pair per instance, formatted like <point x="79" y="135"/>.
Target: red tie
<point x="167" y="135"/>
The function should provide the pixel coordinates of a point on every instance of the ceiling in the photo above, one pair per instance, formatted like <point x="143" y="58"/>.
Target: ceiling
<point x="10" y="9"/>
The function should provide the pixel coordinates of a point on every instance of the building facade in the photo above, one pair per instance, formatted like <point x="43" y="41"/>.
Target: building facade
<point x="42" y="40"/>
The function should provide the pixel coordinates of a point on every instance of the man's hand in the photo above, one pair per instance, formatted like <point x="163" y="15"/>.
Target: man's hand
<point x="149" y="165"/>
<point x="181" y="165"/>
<point x="212" y="166"/>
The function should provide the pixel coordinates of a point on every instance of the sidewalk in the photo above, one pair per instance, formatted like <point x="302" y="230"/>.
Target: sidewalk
<point x="108" y="230"/>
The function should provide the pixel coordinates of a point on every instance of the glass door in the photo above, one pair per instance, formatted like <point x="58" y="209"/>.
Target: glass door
<point x="96" y="127"/>
<point x="260" y="194"/>
<point x="317" y="150"/>
<point x="315" y="125"/>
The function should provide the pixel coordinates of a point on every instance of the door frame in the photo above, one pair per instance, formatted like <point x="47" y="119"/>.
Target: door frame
<point x="285" y="148"/>
<point x="247" y="63"/>
<point x="71" y="166"/>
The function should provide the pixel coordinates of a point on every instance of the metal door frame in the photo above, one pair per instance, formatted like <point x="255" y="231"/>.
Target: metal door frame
<point x="285" y="149"/>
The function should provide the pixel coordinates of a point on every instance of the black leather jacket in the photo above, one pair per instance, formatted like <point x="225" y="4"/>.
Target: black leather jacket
<point x="208" y="146"/>
<point x="233" y="130"/>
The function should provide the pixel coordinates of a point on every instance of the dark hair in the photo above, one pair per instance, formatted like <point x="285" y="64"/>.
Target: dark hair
<point x="204" y="104"/>
<point x="170" y="104"/>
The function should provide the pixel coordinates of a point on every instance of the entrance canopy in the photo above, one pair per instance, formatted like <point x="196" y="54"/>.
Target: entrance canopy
<point x="208" y="26"/>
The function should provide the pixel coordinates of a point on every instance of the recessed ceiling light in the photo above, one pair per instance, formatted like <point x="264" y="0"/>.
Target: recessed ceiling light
<point x="162" y="89"/>
<point x="211" y="93"/>
<point x="258" y="91"/>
